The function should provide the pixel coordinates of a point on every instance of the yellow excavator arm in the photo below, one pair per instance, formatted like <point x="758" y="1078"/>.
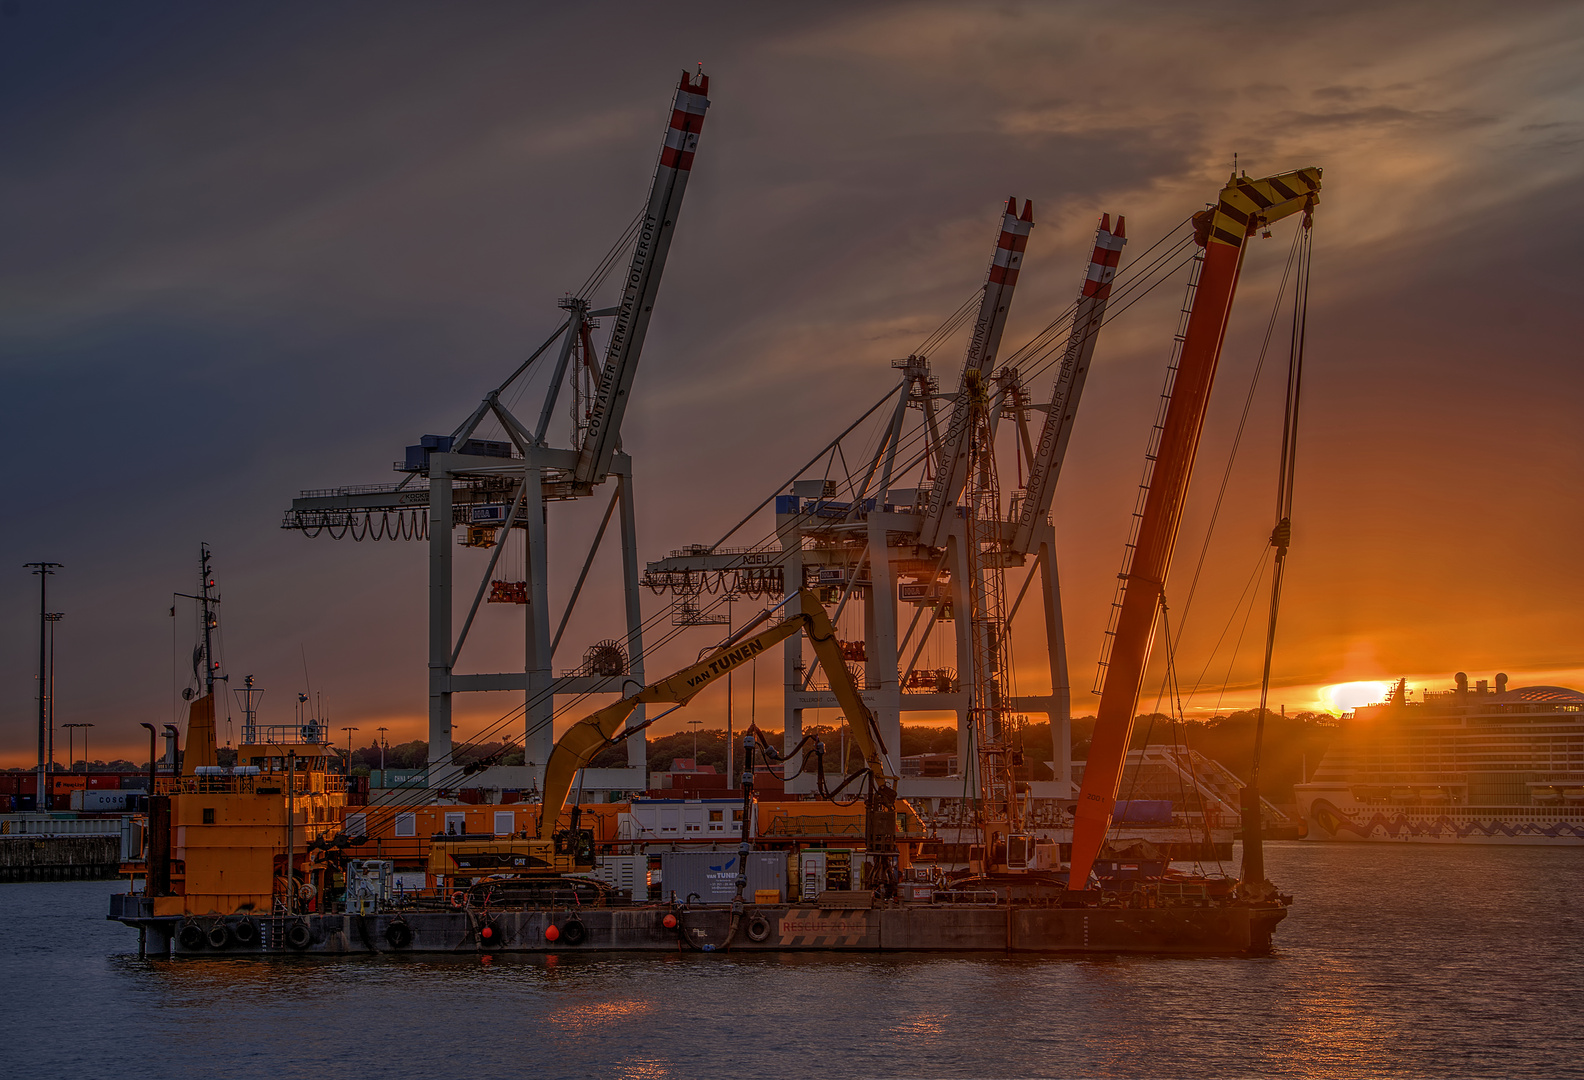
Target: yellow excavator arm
<point x="585" y="738"/>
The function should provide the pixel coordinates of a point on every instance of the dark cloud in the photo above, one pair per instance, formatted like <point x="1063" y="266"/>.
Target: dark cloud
<point x="253" y="250"/>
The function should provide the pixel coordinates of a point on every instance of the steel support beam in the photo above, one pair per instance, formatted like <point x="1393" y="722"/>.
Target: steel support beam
<point x="539" y="700"/>
<point x="439" y="612"/>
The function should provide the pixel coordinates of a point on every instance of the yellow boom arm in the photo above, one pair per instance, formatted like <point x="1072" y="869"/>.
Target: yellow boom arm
<point x="585" y="738"/>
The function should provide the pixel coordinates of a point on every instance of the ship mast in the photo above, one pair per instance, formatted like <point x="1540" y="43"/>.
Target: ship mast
<point x="201" y="742"/>
<point x="209" y="602"/>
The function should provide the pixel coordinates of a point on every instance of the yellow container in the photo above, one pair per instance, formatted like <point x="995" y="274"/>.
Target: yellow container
<point x="767" y="896"/>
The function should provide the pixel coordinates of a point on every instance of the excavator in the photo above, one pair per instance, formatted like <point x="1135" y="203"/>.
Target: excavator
<point x="544" y="860"/>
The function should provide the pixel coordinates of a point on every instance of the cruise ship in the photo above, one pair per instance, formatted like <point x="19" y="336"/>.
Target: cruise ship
<point x="1477" y="764"/>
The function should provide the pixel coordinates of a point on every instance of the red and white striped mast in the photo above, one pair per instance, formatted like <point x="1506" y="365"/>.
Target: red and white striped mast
<point x="952" y="473"/>
<point x="1057" y="429"/>
<point x="642" y="284"/>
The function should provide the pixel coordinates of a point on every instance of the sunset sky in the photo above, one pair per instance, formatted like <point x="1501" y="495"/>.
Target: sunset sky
<point x="254" y="249"/>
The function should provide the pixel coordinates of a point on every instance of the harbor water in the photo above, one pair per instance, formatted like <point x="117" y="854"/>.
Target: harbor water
<point x="1402" y="960"/>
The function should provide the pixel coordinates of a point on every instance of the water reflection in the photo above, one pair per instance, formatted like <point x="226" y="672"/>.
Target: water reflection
<point x="1402" y="960"/>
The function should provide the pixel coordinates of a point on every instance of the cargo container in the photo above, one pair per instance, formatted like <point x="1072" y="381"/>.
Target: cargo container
<point x="710" y="877"/>
<point x="1143" y="812"/>
<point x="104" y="781"/>
<point x="630" y="873"/>
<point x="102" y="802"/>
<point x="134" y="781"/>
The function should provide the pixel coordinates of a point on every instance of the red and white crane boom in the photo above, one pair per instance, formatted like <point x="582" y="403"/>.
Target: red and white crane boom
<point x="642" y="283"/>
<point x="952" y="473"/>
<point x="1046" y="461"/>
<point x="1244" y="206"/>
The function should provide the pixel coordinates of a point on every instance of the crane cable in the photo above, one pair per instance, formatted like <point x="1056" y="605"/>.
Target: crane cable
<point x="1253" y="875"/>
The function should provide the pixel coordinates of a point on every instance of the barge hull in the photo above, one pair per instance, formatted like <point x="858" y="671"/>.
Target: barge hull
<point x="1229" y="930"/>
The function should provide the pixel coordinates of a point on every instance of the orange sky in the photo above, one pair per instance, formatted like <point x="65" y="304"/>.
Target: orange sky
<point x="226" y="286"/>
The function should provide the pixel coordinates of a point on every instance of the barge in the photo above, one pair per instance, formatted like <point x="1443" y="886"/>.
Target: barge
<point x="1225" y="928"/>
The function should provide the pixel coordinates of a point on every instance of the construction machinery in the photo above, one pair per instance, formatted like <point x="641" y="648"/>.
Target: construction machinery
<point x="557" y="848"/>
<point x="1244" y="208"/>
<point x="526" y="892"/>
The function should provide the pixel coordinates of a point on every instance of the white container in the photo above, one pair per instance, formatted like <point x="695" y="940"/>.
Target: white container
<point x="100" y="801"/>
<point x="629" y="872"/>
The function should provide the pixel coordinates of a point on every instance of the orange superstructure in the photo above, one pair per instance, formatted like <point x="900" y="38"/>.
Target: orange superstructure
<point x="220" y="839"/>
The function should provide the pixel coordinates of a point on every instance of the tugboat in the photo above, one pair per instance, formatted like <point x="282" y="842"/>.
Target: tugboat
<point x="235" y="855"/>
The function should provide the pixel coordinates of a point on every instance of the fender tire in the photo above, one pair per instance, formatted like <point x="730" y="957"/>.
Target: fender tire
<point x="218" y="936"/>
<point x="573" y="932"/>
<point x="298" y="936"/>
<point x="246" y="933"/>
<point x="399" y="934"/>
<point x="190" y="937"/>
<point x="758" y="929"/>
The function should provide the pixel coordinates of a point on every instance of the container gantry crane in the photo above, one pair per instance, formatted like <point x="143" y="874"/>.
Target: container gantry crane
<point x="891" y="547"/>
<point x="492" y="488"/>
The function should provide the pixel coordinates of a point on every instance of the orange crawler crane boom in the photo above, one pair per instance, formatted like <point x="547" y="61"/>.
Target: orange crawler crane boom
<point x="1244" y="206"/>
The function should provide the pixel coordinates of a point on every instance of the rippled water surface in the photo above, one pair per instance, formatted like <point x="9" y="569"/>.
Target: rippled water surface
<point x="1396" y="960"/>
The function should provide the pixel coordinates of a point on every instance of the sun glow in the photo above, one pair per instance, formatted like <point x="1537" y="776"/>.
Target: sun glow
<point x="1343" y="697"/>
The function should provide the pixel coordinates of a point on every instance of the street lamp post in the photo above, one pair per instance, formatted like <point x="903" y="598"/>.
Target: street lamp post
<point x="349" y="731"/>
<point x="696" y="724"/>
<point x="44" y="570"/>
<point x="50" y="619"/>
<point x="383" y="742"/>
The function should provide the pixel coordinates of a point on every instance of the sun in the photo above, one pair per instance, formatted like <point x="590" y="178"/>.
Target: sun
<point x="1344" y="697"/>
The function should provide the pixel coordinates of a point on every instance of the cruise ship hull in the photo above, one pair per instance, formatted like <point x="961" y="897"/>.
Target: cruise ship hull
<point x="1471" y="765"/>
<point x="1337" y="816"/>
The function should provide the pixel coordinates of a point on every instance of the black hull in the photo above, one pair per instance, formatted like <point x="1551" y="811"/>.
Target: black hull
<point x="1229" y="930"/>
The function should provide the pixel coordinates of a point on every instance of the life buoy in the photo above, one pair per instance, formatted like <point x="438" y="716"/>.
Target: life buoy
<point x="459" y="899"/>
<point x="298" y="936"/>
<point x="190" y="936"/>
<point x="399" y="934"/>
<point x="573" y="932"/>
<point x="758" y="928"/>
<point x="246" y="932"/>
<point x="219" y="936"/>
